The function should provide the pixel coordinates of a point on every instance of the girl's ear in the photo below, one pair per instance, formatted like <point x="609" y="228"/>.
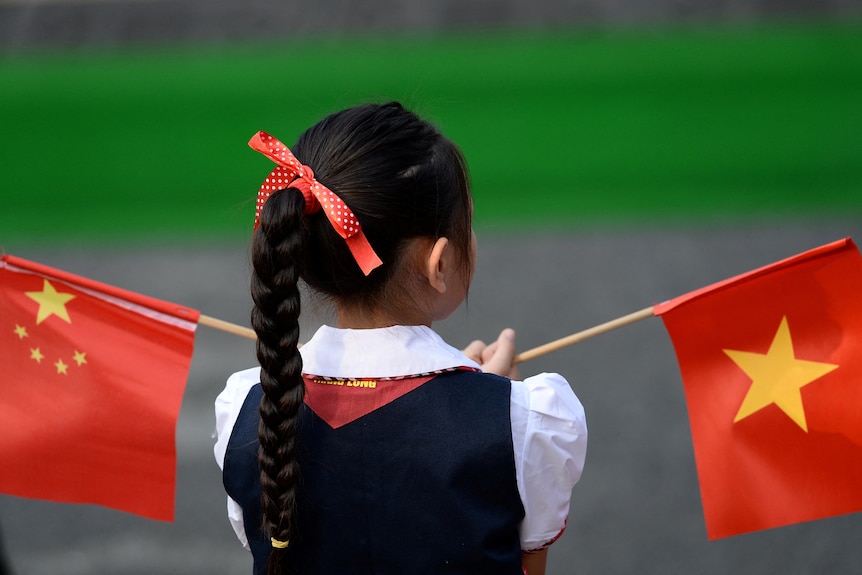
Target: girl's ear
<point x="437" y="264"/>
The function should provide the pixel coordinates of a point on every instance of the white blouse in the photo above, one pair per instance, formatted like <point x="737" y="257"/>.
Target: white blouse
<point x="549" y="430"/>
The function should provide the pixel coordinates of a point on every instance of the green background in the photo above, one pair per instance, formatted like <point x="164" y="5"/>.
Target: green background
<point x="586" y="128"/>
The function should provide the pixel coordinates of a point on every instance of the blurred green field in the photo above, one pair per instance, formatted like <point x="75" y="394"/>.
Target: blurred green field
<point x="583" y="128"/>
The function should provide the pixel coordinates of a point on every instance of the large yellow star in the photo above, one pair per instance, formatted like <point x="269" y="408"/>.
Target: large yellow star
<point x="51" y="302"/>
<point x="777" y="377"/>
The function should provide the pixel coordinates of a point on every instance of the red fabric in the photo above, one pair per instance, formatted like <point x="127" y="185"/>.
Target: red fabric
<point x="771" y="363"/>
<point x="341" y="401"/>
<point x="290" y="172"/>
<point x="93" y="379"/>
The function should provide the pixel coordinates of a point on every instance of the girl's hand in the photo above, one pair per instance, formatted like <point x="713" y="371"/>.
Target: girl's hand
<point x="497" y="357"/>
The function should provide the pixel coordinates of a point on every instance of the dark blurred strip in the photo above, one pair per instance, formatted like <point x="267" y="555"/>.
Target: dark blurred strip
<point x="29" y="23"/>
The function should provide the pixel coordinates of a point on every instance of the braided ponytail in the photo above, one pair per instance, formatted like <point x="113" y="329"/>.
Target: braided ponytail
<point x="276" y="250"/>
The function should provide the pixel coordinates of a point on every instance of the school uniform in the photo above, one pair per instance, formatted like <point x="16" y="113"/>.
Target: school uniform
<point x="411" y="459"/>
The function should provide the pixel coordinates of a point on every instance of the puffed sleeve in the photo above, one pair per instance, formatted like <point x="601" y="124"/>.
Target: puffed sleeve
<point x="227" y="408"/>
<point x="549" y="433"/>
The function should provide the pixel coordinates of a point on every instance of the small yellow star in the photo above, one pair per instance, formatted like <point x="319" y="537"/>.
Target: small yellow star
<point x="80" y="358"/>
<point x="21" y="331"/>
<point x="61" y="367"/>
<point x="36" y="354"/>
<point x="51" y="302"/>
<point x="777" y="377"/>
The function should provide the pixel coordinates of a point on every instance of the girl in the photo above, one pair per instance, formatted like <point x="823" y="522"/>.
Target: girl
<point x="378" y="448"/>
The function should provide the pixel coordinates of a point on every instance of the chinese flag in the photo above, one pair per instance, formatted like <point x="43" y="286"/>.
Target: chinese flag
<point x="771" y="363"/>
<point x="93" y="378"/>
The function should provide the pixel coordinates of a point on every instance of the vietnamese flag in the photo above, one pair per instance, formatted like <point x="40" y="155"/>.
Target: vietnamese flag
<point x="93" y="379"/>
<point x="771" y="363"/>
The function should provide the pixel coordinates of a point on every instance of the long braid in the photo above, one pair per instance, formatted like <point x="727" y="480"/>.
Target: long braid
<point x="276" y="251"/>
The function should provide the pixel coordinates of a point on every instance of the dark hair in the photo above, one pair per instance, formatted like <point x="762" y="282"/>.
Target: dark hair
<point x="403" y="180"/>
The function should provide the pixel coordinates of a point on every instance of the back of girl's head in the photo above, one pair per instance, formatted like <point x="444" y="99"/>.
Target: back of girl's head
<point x="403" y="180"/>
<point x="400" y="177"/>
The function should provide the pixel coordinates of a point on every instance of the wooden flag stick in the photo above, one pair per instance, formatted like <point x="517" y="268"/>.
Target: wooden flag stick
<point x="222" y="325"/>
<point x="582" y="335"/>
<point x="520" y="358"/>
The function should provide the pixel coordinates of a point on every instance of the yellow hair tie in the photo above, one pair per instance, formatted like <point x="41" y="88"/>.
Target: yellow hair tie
<point x="279" y="544"/>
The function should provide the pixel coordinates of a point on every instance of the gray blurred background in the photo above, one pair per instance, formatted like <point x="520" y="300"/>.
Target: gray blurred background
<point x="637" y="508"/>
<point x="25" y="23"/>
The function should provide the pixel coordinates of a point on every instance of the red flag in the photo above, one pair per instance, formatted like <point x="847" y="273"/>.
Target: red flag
<point x="771" y="363"/>
<point x="93" y="379"/>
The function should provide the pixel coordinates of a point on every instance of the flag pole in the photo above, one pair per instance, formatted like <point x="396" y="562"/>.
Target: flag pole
<point x="582" y="335"/>
<point x="226" y="326"/>
<point x="539" y="351"/>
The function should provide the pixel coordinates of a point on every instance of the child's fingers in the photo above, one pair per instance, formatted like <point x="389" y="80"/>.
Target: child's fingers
<point x="474" y="350"/>
<point x="497" y="357"/>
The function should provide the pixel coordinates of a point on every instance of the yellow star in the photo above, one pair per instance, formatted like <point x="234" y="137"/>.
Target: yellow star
<point x="80" y="358"/>
<point x="777" y="377"/>
<point x="36" y="354"/>
<point x="21" y="331"/>
<point x="61" y="367"/>
<point x="51" y="302"/>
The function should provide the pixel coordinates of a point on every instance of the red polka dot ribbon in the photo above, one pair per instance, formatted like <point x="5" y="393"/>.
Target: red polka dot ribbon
<point x="291" y="173"/>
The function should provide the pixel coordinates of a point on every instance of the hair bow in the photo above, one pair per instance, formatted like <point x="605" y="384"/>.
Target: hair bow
<point x="290" y="172"/>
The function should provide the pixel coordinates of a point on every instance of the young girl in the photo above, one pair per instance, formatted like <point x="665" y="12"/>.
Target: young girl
<point x="376" y="447"/>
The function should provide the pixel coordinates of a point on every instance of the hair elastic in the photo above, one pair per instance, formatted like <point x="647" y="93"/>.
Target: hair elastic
<point x="279" y="544"/>
<point x="291" y="173"/>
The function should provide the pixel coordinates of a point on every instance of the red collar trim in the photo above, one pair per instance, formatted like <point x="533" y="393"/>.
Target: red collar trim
<point x="339" y="401"/>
